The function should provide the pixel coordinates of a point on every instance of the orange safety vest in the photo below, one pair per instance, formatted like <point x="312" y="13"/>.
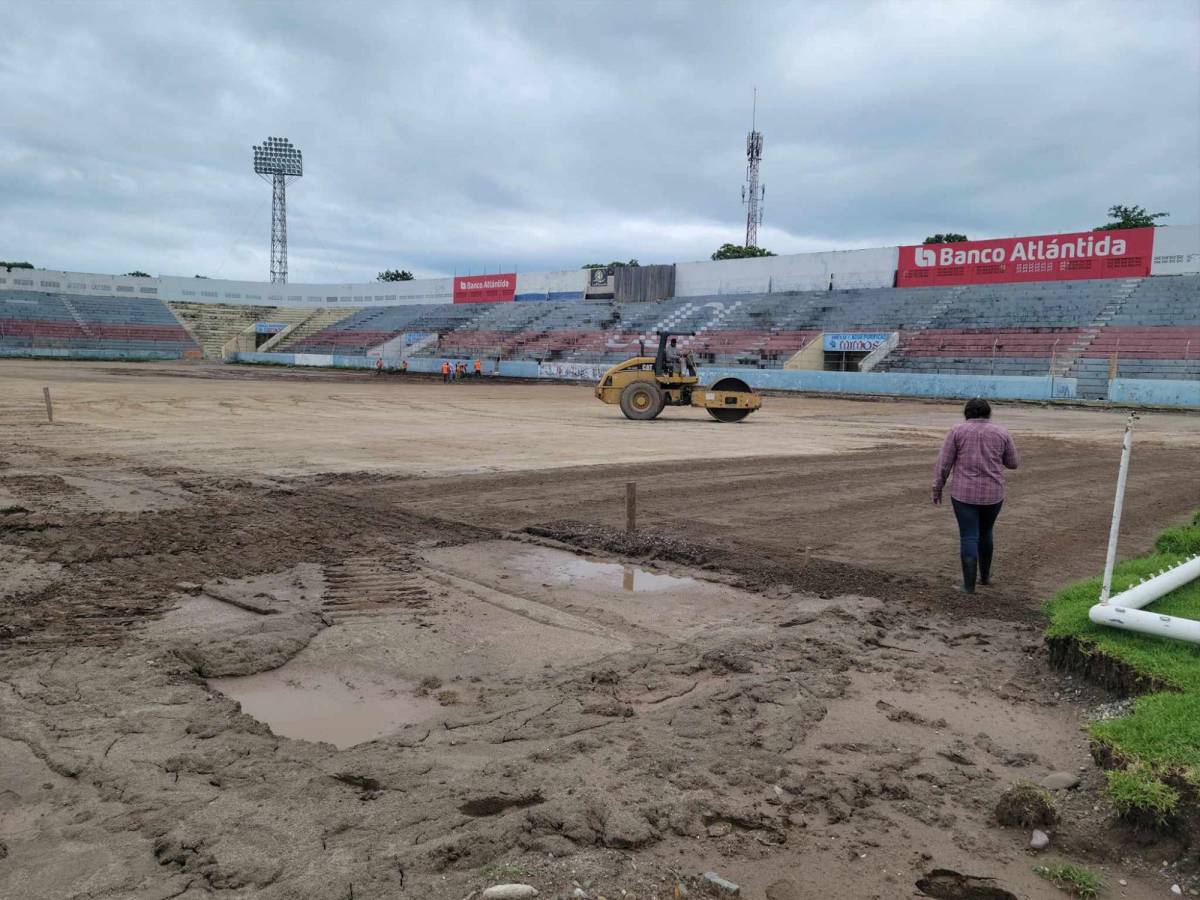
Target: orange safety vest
<point x="445" y="368"/>
<point x="478" y="365"/>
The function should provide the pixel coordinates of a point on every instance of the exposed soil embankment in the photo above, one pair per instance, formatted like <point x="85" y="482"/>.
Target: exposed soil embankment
<point x="1074" y="654"/>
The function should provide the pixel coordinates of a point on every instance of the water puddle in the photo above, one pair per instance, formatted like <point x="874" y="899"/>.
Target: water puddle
<point x="342" y="706"/>
<point x="564" y="570"/>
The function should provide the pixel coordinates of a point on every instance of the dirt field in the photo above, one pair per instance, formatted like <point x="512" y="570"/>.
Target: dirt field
<point x="466" y="673"/>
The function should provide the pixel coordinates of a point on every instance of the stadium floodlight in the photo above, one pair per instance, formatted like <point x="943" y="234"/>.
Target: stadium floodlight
<point x="276" y="160"/>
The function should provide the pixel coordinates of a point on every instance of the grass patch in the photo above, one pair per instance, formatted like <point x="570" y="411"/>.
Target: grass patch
<point x="1075" y="880"/>
<point x="1026" y="805"/>
<point x="1163" y="731"/>
<point x="1139" y="796"/>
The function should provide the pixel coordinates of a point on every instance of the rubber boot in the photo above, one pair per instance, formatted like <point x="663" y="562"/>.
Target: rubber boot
<point x="985" y="566"/>
<point x="970" y="565"/>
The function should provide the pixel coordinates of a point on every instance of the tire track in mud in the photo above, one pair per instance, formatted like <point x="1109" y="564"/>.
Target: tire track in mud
<point x="119" y="569"/>
<point x="358" y="587"/>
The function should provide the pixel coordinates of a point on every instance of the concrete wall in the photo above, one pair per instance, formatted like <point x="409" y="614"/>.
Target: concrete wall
<point x="1176" y="250"/>
<point x="810" y="357"/>
<point x="566" y="285"/>
<point x="1154" y="392"/>
<point x="66" y="353"/>
<point x="901" y="384"/>
<point x="215" y="290"/>
<point x="801" y="272"/>
<point x="424" y="365"/>
<point x="894" y="384"/>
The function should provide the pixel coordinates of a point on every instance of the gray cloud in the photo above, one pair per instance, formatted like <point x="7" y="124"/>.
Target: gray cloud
<point x="482" y="136"/>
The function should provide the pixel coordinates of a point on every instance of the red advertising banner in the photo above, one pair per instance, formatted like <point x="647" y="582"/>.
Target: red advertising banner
<point x="485" y="288"/>
<point x="1049" y="257"/>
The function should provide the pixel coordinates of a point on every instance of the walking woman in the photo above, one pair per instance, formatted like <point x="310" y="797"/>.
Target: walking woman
<point x="977" y="452"/>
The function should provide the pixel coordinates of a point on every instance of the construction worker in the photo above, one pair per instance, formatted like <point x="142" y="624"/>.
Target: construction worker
<point x="445" y="371"/>
<point x="671" y="357"/>
<point x="479" y="368"/>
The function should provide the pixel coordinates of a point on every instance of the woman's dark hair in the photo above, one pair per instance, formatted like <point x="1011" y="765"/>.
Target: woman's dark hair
<point x="977" y="408"/>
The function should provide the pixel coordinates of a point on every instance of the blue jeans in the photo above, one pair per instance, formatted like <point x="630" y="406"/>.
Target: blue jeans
<point x="975" y="523"/>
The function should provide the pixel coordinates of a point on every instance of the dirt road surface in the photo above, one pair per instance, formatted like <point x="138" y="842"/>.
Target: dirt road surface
<point x="466" y="673"/>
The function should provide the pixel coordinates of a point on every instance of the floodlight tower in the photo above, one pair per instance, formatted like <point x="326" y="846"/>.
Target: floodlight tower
<point x="277" y="161"/>
<point x="753" y="194"/>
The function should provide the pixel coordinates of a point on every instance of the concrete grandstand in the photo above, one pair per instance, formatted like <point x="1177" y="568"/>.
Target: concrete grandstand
<point x="1136" y="317"/>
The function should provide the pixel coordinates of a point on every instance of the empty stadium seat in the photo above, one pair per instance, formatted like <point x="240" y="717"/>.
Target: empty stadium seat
<point x="32" y="320"/>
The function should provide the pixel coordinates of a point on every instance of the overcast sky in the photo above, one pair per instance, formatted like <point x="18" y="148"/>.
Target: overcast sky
<point x="465" y="137"/>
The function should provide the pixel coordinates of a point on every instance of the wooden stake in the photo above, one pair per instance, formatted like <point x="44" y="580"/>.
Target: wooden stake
<point x="631" y="506"/>
<point x="49" y="405"/>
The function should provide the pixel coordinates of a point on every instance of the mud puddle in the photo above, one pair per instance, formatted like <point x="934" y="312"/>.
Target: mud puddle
<point x="636" y="602"/>
<point x="564" y="570"/>
<point x="343" y="706"/>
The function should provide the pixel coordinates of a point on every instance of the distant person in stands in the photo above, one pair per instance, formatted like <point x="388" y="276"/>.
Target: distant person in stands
<point x="977" y="452"/>
<point x="445" y="371"/>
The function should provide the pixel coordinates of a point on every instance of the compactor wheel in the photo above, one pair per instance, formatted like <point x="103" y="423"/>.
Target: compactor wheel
<point x="729" y="414"/>
<point x="642" y="400"/>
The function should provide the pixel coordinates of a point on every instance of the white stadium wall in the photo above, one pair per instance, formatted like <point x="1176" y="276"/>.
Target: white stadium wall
<point x="245" y="293"/>
<point x="1176" y="252"/>
<point x="800" y="272"/>
<point x="568" y="285"/>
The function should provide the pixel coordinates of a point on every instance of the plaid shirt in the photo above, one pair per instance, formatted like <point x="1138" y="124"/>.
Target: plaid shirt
<point x="976" y="450"/>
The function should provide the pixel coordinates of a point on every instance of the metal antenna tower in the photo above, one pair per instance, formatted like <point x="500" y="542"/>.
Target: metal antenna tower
<point x="753" y="194"/>
<point x="277" y="161"/>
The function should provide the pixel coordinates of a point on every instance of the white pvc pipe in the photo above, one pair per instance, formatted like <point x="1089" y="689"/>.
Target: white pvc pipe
<point x="1118" y="504"/>
<point x="1125" y="610"/>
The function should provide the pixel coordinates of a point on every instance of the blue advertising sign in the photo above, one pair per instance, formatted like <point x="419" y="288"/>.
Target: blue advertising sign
<point x="855" y="342"/>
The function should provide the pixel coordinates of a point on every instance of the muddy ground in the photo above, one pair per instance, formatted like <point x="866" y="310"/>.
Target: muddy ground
<point x="475" y="676"/>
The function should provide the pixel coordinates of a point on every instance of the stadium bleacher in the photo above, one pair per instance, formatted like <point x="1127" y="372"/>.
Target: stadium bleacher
<point x="30" y="319"/>
<point x="1032" y="328"/>
<point x="1137" y="327"/>
<point x="1154" y="334"/>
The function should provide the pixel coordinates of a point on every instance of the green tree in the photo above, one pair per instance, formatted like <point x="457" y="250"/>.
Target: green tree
<point x="615" y="264"/>
<point x="15" y="265"/>
<point x="137" y="274"/>
<point x="737" y="251"/>
<point x="1130" y="217"/>
<point x="394" y="275"/>
<point x="950" y="237"/>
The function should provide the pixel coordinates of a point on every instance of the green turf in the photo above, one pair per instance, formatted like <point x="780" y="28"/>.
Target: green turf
<point x="1135" y="791"/>
<point x="1075" y="880"/>
<point x="1164" y="729"/>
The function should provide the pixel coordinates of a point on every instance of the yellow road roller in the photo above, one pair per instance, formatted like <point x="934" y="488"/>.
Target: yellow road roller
<point x="643" y="385"/>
